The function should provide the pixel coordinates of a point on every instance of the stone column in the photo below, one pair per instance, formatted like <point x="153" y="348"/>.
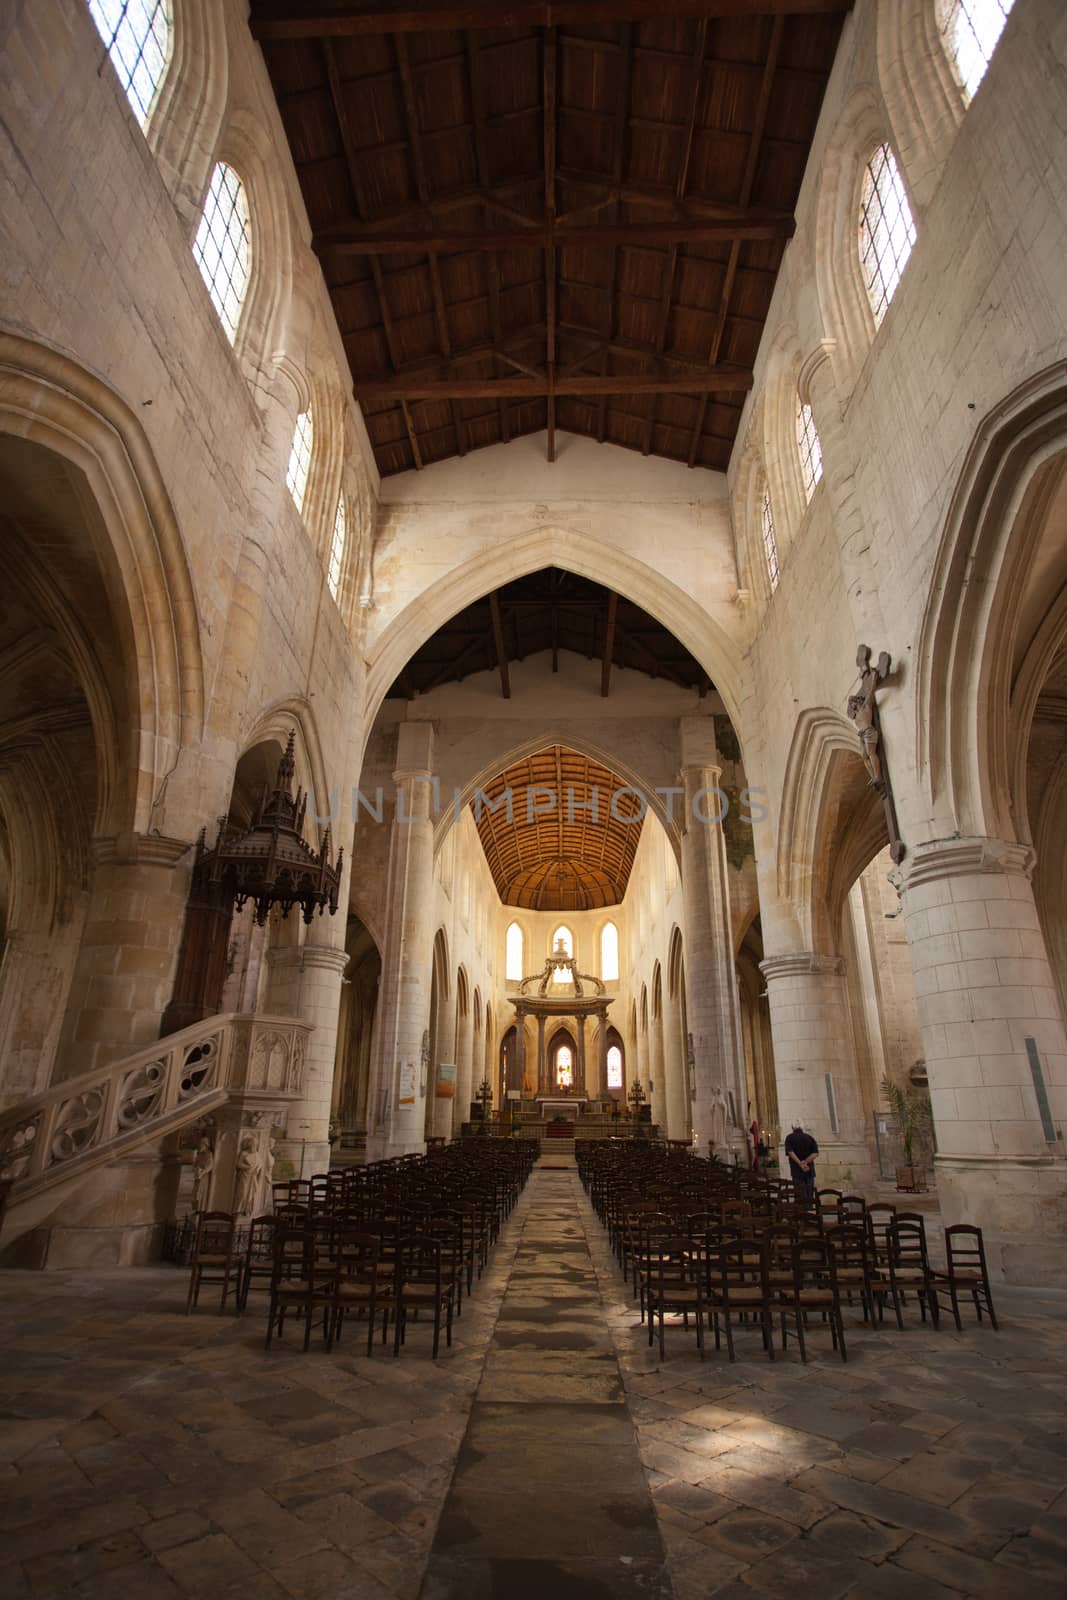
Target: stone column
<point x="304" y="980"/>
<point x="402" y="1057"/>
<point x="579" y="1076"/>
<point x="995" y="1046"/>
<point x="541" y="1085"/>
<point x="711" y="1000"/>
<point x="129" y="948"/>
<point x="602" y="1015"/>
<point x="444" y="1048"/>
<point x="655" y="1068"/>
<point x="460" y="1106"/>
<point x="520" y="1049"/>
<point x="812" y="1030"/>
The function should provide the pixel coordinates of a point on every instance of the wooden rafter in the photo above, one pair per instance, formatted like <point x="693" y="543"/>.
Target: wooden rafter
<point x="549" y="114"/>
<point x="696" y="89"/>
<point x="713" y="380"/>
<point x="618" y="159"/>
<point x="348" y="144"/>
<point x="411" y="116"/>
<point x="748" y="180"/>
<point x="498" y="642"/>
<point x="609" y="644"/>
<point x="477" y="93"/>
<point x="353" y="238"/>
<point x="287" y="19"/>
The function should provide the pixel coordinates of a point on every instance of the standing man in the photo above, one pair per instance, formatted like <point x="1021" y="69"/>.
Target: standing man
<point x="802" y="1149"/>
<point x="754" y="1135"/>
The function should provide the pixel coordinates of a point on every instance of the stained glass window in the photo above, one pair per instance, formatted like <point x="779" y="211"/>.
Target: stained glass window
<point x="609" y="952"/>
<point x="810" y="449"/>
<point x="614" y="1067"/>
<point x="337" y="549"/>
<point x="770" y="542"/>
<point x="513" y="953"/>
<point x="564" y="1067"/>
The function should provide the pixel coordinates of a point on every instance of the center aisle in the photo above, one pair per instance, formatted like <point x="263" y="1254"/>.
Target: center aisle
<point x="549" y="1496"/>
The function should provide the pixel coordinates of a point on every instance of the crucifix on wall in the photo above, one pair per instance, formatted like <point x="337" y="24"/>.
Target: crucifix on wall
<point x="863" y="709"/>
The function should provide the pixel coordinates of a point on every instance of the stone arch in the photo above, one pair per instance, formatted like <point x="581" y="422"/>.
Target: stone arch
<point x="295" y="715"/>
<point x="542" y="741"/>
<point x="49" y="401"/>
<point x="441" y="965"/>
<point x="921" y="95"/>
<point x="844" y="308"/>
<point x="990" y="543"/>
<point x="674" y="962"/>
<point x="779" y="454"/>
<point x="831" y="825"/>
<point x="187" y="118"/>
<point x="561" y="547"/>
<point x="748" y="510"/>
<point x="248" y="147"/>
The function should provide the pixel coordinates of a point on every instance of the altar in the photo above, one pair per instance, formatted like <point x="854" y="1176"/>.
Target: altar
<point x="554" y="1106"/>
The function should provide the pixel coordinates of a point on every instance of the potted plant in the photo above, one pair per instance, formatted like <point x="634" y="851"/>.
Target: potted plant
<point x="914" y="1115"/>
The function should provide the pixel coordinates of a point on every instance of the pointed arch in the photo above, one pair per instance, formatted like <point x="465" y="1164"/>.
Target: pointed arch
<point x="992" y="530"/>
<point x="49" y="401"/>
<point x="575" y="552"/>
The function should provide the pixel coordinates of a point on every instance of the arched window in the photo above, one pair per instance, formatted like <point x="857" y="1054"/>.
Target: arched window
<point x="296" y="478"/>
<point x="137" y="34"/>
<point x="609" y="952"/>
<point x="513" y="953"/>
<point x="614" y="1067"/>
<point x="810" y="449"/>
<point x="223" y="246"/>
<point x="972" y="29"/>
<point x="887" y="229"/>
<point x="770" y="541"/>
<point x="337" y="548"/>
<point x="564" y="1067"/>
<point x="562" y="944"/>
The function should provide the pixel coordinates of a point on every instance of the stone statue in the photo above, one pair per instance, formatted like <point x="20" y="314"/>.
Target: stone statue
<point x="719" y="1113"/>
<point x="863" y="709"/>
<point x="203" y="1167"/>
<point x="248" y="1168"/>
<point x="864" y="712"/>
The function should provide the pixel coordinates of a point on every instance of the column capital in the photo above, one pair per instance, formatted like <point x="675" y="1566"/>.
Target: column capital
<point x="964" y="857"/>
<point x="138" y="849"/>
<point x="802" y="963"/>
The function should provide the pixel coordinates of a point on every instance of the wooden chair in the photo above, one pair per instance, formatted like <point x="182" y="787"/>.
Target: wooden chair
<point x="425" y="1280"/>
<point x="965" y="1272"/>
<point x="814" y="1289"/>
<point x="909" y="1267"/>
<point x="856" y="1268"/>
<point x="301" y="1282"/>
<point x="215" y="1259"/>
<point x="674" y="1281"/>
<point x="259" y="1257"/>
<point x="737" y="1286"/>
<point x="359" y="1288"/>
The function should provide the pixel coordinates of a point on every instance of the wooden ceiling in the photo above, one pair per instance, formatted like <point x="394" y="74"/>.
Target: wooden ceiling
<point x="550" y="216"/>
<point x="552" y="853"/>
<point x="555" y="611"/>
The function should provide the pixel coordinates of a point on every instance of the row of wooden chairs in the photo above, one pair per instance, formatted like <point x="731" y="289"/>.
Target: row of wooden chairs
<point x="674" y="1214"/>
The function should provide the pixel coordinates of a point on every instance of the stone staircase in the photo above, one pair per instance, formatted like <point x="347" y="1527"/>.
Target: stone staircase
<point x="246" y="1069"/>
<point x="557" y="1152"/>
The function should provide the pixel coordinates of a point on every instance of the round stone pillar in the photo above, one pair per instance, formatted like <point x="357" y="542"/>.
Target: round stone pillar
<point x="398" y="1110"/>
<point x="445" y="1051"/>
<point x="815" y="1063"/>
<point x="129" y="947"/>
<point x="461" y="1105"/>
<point x="710" y="993"/>
<point x="995" y="1047"/>
<point x="304" y="980"/>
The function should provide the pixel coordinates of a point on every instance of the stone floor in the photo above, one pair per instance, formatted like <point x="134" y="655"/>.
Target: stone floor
<point x="144" y="1454"/>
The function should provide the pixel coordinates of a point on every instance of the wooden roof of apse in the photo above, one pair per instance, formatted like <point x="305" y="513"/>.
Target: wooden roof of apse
<point x="564" y="858"/>
<point x="538" y="216"/>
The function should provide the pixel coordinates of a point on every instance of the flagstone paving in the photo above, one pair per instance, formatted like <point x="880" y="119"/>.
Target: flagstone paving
<point x="145" y="1454"/>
